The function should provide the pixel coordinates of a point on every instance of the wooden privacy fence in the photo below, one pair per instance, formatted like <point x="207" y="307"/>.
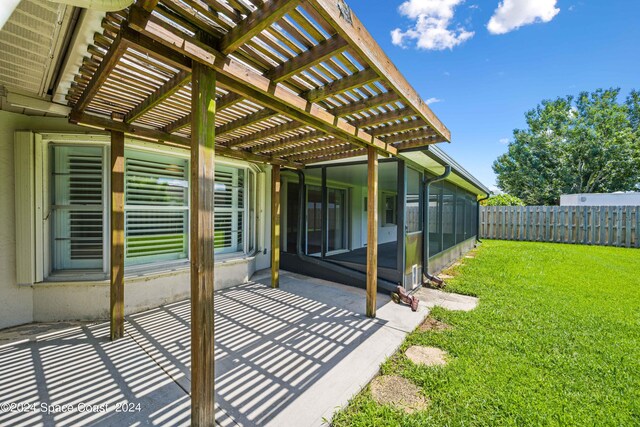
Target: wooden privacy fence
<point x="587" y="225"/>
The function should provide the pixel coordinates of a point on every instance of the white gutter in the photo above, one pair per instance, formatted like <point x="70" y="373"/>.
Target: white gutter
<point x="100" y="5"/>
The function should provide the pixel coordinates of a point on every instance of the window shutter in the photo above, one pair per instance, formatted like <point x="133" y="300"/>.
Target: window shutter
<point x="229" y="209"/>
<point x="78" y="208"/>
<point x="24" y="207"/>
<point x="157" y="200"/>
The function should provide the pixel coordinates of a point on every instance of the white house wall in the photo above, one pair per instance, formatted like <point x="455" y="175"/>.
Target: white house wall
<point x="54" y="301"/>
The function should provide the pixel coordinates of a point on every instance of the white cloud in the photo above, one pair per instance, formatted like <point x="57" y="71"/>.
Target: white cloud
<point x="432" y="101"/>
<point x="432" y="29"/>
<point x="504" y="141"/>
<point x="513" y="14"/>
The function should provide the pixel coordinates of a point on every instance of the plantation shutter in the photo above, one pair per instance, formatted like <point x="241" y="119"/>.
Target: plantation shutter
<point x="156" y="211"/>
<point x="78" y="210"/>
<point x="229" y="209"/>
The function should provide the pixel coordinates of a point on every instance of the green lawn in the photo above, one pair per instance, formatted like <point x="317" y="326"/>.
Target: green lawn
<point x="554" y="341"/>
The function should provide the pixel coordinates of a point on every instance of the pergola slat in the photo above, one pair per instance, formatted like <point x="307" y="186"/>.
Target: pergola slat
<point x="267" y="133"/>
<point x="256" y="117"/>
<point x="398" y="127"/>
<point x="367" y="104"/>
<point x="410" y="135"/>
<point x="163" y="92"/>
<point x="287" y="142"/>
<point x="360" y="78"/>
<point x="253" y="24"/>
<point x="377" y="119"/>
<point x="309" y="58"/>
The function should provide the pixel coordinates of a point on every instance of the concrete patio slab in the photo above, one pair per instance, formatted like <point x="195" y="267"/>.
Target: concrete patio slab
<point x="284" y="357"/>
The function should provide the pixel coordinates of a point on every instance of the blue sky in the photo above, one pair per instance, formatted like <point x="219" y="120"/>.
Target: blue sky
<point x="486" y="82"/>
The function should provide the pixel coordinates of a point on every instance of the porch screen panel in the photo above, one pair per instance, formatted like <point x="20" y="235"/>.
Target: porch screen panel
<point x="157" y="208"/>
<point x="448" y="216"/>
<point x="78" y="207"/>
<point x="435" y="219"/>
<point x="461" y="213"/>
<point x="229" y="209"/>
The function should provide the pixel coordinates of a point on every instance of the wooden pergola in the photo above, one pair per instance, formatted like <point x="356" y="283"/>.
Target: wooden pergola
<point x="282" y="82"/>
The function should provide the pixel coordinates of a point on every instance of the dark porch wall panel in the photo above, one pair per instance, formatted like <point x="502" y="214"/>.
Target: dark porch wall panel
<point x="452" y="216"/>
<point x="445" y="258"/>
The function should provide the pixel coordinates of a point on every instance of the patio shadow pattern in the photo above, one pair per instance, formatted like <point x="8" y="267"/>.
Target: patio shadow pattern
<point x="271" y="346"/>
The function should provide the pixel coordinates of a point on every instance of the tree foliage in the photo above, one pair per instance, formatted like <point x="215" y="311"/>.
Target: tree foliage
<point x="503" y="200"/>
<point x="587" y="144"/>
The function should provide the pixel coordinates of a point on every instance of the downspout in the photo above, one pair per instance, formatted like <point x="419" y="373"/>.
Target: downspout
<point x="478" y="218"/>
<point x="425" y="238"/>
<point x="100" y="5"/>
<point x="346" y="271"/>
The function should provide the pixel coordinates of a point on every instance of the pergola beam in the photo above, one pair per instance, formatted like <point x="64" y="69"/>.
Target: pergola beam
<point x="226" y="101"/>
<point x="255" y="23"/>
<point x="165" y="91"/>
<point x="398" y="127"/>
<point x="109" y="62"/>
<point x="410" y="135"/>
<point x="349" y="27"/>
<point x="314" y="56"/>
<point x="267" y="133"/>
<point x="300" y="149"/>
<point x="164" y="138"/>
<point x="422" y="142"/>
<point x="355" y="80"/>
<point x="245" y="81"/>
<point x="252" y="118"/>
<point x="366" y="104"/>
<point x="320" y="153"/>
<point x="376" y="119"/>
<point x="345" y="155"/>
<point x="287" y="142"/>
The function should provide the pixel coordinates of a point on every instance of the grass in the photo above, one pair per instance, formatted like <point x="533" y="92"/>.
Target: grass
<point x="554" y="341"/>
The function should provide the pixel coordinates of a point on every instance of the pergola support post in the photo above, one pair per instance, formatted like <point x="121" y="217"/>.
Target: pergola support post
<point x="372" y="230"/>
<point x="203" y="109"/>
<point x="117" y="236"/>
<point x="275" y="226"/>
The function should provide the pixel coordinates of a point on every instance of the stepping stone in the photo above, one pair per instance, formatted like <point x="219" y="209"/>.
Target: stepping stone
<point x="431" y="324"/>
<point x="426" y="356"/>
<point x="398" y="392"/>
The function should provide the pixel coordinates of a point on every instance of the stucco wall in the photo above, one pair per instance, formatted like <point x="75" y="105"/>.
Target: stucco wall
<point x="90" y="300"/>
<point x="16" y="302"/>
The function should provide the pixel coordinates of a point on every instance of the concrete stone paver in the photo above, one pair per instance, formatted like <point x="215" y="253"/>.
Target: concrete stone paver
<point x="426" y="356"/>
<point x="434" y="297"/>
<point x="398" y="392"/>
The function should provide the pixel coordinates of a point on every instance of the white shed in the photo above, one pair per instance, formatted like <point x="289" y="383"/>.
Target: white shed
<point x="601" y="199"/>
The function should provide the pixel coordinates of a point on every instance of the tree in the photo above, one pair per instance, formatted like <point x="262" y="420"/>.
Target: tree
<point x="502" y="200"/>
<point x="587" y="144"/>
